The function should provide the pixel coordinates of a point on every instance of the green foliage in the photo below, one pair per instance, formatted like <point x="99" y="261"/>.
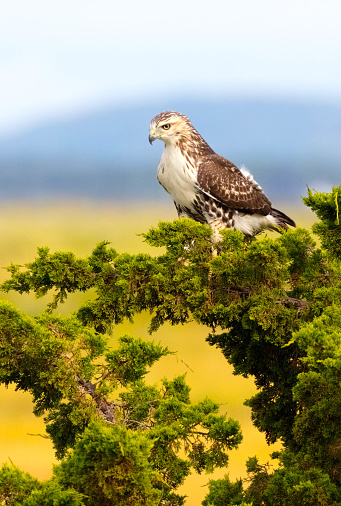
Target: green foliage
<point x="297" y="369"/>
<point x="223" y="492"/>
<point x="53" y="493"/>
<point x="70" y="372"/>
<point x="21" y="489"/>
<point x="130" y="361"/>
<point x="56" y="359"/>
<point x="327" y="207"/>
<point x="317" y="427"/>
<point x="110" y="466"/>
<point x="205" y="435"/>
<point x="272" y="306"/>
<point x="15" y="485"/>
<point x="294" y="485"/>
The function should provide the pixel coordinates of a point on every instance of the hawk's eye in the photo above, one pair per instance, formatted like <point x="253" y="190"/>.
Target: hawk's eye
<point x="166" y="127"/>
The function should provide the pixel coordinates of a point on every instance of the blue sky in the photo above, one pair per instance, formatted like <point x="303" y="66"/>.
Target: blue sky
<point x="65" y="56"/>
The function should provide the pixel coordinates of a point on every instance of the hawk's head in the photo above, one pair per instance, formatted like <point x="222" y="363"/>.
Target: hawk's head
<point x="170" y="127"/>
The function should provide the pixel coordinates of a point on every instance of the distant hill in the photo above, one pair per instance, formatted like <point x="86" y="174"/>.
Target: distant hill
<point x="105" y="153"/>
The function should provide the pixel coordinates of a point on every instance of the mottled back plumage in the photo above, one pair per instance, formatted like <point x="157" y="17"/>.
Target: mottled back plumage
<point x="207" y="187"/>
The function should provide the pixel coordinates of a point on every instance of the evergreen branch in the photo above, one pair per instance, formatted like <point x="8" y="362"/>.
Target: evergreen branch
<point x="104" y="407"/>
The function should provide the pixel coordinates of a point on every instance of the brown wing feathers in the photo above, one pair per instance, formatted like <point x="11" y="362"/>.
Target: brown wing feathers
<point x="222" y="180"/>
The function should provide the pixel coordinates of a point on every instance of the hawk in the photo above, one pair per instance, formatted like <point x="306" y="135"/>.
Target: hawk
<point x="206" y="186"/>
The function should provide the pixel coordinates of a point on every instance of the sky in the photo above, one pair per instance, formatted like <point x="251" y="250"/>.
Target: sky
<point x="63" y="57"/>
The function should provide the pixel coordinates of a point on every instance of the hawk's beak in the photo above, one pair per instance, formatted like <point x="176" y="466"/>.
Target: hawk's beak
<point x="152" y="136"/>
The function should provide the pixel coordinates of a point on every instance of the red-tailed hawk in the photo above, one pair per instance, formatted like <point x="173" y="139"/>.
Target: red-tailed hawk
<point x="207" y="187"/>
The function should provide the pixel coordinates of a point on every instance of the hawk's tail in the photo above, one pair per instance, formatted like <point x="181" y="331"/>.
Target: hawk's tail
<point x="282" y="220"/>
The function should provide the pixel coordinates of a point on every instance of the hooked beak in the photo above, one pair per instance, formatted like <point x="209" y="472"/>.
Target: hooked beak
<point x="152" y="136"/>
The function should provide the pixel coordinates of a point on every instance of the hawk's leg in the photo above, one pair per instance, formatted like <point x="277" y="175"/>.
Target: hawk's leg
<point x="216" y="226"/>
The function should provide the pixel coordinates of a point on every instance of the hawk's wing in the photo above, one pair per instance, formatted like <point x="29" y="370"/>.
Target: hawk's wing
<point x="222" y="180"/>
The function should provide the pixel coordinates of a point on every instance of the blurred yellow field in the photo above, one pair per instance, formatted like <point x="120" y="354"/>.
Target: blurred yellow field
<point x="78" y="227"/>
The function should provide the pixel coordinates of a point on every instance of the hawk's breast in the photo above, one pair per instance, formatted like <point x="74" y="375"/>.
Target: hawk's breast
<point x="178" y="176"/>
